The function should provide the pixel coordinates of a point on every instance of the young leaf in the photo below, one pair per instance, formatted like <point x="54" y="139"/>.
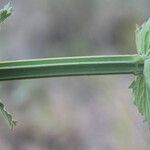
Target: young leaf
<point x="5" y="12"/>
<point x="141" y="85"/>
<point x="11" y="122"/>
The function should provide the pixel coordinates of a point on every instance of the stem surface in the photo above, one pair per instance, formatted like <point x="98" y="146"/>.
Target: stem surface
<point x="71" y="66"/>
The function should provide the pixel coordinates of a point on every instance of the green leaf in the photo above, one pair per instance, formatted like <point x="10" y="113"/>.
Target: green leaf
<point x="11" y="122"/>
<point x="141" y="85"/>
<point x="5" y="12"/>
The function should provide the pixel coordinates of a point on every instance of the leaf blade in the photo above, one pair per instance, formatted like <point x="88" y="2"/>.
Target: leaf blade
<point x="7" y="116"/>
<point x="141" y="85"/>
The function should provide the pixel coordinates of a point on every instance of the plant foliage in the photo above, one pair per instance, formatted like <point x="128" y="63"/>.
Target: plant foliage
<point x="137" y="64"/>
<point x="4" y="13"/>
<point x="141" y="85"/>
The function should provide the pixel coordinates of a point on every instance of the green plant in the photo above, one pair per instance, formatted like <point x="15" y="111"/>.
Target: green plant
<point x="137" y="64"/>
<point x="4" y="13"/>
<point x="141" y="85"/>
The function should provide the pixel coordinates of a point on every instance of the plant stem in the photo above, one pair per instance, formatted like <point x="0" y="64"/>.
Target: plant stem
<point x="71" y="66"/>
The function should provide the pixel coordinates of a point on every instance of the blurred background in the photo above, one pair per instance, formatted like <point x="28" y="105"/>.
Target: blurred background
<point x="72" y="113"/>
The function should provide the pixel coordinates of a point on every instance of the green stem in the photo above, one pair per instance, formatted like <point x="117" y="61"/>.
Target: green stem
<point x="71" y="66"/>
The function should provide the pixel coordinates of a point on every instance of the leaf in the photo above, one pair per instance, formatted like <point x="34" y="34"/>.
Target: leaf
<point x="5" y="12"/>
<point x="141" y="85"/>
<point x="11" y="122"/>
